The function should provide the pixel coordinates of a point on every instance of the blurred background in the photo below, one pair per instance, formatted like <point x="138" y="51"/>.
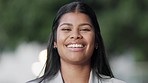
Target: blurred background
<point x="25" y="28"/>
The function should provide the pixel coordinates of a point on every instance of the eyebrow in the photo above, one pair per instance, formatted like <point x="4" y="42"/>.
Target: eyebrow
<point x="79" y="25"/>
<point x="86" y="24"/>
<point x="66" y="24"/>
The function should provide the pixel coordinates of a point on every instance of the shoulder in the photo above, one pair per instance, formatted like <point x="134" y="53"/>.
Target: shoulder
<point x="31" y="81"/>
<point x="37" y="80"/>
<point x="114" y="80"/>
<point x="111" y="80"/>
<point x="55" y="79"/>
<point x="94" y="78"/>
<point x="108" y="79"/>
<point x="34" y="81"/>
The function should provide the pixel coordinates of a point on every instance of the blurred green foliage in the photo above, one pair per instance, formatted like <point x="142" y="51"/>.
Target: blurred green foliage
<point x="124" y="23"/>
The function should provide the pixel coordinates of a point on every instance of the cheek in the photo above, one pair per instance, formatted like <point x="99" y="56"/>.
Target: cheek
<point x="91" y="47"/>
<point x="91" y="42"/>
<point x="90" y="38"/>
<point x="61" y="37"/>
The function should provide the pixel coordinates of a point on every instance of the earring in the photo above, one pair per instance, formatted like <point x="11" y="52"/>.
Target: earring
<point x="55" y="47"/>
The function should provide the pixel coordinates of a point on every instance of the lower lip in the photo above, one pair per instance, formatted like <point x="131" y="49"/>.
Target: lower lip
<point x="76" y="49"/>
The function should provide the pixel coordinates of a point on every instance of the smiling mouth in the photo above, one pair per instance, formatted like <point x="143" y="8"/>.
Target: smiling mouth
<point x="75" y="45"/>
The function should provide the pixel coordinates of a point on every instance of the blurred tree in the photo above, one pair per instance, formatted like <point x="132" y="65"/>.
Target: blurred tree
<point x="25" y="20"/>
<point x="123" y="23"/>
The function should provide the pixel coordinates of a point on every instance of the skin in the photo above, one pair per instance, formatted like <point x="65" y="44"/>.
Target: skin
<point x="75" y="28"/>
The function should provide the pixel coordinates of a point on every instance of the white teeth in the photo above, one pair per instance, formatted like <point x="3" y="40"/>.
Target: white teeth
<point x="75" y="46"/>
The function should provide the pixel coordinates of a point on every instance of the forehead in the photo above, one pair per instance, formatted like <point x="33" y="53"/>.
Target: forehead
<point x="75" y="17"/>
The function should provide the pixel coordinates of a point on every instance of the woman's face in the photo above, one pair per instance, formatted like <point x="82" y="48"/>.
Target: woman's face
<point x="75" y="38"/>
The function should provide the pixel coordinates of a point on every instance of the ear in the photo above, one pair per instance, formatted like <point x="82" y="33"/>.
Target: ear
<point x="55" y="44"/>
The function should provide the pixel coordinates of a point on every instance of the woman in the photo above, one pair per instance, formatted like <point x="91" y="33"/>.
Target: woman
<point x="76" y="53"/>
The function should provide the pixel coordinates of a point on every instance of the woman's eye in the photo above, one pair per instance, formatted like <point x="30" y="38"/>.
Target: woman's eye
<point x="85" y="29"/>
<point x="66" y="29"/>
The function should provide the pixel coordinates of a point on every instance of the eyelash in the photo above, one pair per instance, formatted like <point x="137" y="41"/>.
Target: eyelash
<point x="80" y="29"/>
<point x="85" y="30"/>
<point x="66" y="29"/>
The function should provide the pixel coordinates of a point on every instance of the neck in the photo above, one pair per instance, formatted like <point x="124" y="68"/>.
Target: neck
<point x="72" y="73"/>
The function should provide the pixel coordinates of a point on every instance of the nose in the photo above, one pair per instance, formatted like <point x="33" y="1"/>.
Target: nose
<point x="76" y="35"/>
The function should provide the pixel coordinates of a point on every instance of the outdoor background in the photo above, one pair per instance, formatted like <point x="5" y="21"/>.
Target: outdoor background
<point x="25" y="27"/>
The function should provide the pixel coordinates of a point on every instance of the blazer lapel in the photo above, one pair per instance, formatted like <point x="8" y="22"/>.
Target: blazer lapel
<point x="57" y="78"/>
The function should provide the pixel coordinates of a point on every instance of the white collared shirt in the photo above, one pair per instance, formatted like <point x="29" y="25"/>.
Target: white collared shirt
<point x="92" y="79"/>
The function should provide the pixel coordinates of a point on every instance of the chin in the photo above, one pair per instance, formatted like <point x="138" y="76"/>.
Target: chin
<point x="78" y="61"/>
